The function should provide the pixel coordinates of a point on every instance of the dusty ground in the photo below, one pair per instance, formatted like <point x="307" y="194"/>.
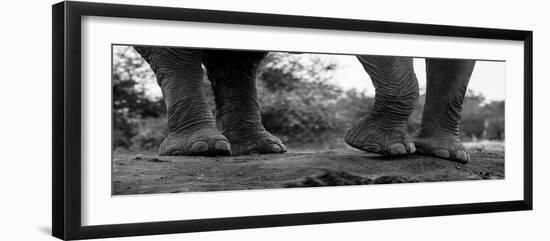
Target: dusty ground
<point x="136" y="173"/>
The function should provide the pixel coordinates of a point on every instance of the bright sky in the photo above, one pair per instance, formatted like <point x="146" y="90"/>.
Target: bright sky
<point x="488" y="77"/>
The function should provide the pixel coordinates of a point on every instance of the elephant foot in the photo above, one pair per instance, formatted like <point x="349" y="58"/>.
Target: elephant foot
<point x="373" y="136"/>
<point x="254" y="141"/>
<point x="203" y="142"/>
<point x="445" y="146"/>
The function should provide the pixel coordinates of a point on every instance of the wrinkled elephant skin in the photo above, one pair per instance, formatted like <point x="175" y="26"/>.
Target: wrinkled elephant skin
<point x="237" y="128"/>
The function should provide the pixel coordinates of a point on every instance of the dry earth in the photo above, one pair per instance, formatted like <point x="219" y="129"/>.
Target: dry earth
<point x="137" y="174"/>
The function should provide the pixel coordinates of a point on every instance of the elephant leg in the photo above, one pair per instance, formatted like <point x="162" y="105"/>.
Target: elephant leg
<point x="384" y="129"/>
<point x="447" y="82"/>
<point x="233" y="77"/>
<point x="192" y="126"/>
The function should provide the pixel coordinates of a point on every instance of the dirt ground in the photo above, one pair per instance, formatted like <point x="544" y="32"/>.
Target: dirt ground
<point x="140" y="174"/>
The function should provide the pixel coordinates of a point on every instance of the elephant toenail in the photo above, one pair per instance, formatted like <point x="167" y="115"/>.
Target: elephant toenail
<point x="283" y="148"/>
<point x="199" y="146"/>
<point x="397" y="149"/>
<point x="274" y="148"/>
<point x="462" y="156"/>
<point x="222" y="145"/>
<point x="412" y="148"/>
<point x="442" y="153"/>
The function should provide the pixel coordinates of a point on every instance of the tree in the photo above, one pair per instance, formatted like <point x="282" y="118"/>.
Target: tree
<point x="481" y="119"/>
<point x="130" y="102"/>
<point x="298" y="103"/>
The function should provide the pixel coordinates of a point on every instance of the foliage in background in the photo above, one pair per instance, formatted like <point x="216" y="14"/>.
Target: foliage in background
<point x="131" y="105"/>
<point x="481" y="120"/>
<point x="299" y="104"/>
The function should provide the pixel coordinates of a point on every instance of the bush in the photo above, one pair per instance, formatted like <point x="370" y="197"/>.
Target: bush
<point x="481" y="119"/>
<point x="149" y="134"/>
<point x="131" y="104"/>
<point x="298" y="106"/>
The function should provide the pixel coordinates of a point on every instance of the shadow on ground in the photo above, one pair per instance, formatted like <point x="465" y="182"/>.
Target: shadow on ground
<point x="138" y="174"/>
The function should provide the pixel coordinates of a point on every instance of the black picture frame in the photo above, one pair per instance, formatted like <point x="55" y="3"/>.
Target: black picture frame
<point x="66" y="59"/>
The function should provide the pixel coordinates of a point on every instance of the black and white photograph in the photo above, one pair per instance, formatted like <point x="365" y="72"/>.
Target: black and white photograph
<point x="275" y="120"/>
<point x="202" y="119"/>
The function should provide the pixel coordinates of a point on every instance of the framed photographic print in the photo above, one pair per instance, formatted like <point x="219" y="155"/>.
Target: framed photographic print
<point x="171" y="120"/>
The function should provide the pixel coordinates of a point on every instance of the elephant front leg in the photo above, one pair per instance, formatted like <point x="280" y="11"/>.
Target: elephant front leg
<point x="233" y="75"/>
<point x="384" y="129"/>
<point x="447" y="82"/>
<point x="192" y="126"/>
